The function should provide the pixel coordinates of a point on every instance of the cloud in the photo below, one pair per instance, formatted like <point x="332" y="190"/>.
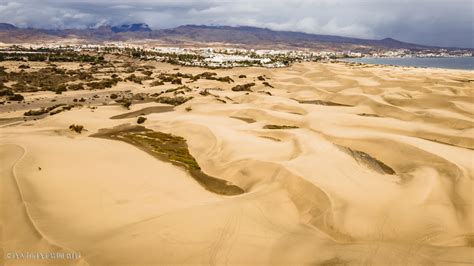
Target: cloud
<point x="435" y="22"/>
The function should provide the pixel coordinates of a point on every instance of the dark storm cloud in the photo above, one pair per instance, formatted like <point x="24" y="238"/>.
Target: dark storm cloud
<point x="438" y="22"/>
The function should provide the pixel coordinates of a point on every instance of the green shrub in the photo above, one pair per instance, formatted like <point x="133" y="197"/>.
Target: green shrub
<point x="76" y="128"/>
<point x="267" y="84"/>
<point x="16" y="97"/>
<point x="6" y="92"/>
<point x="173" y="101"/>
<point x="245" y="87"/>
<point x="279" y="127"/>
<point x="76" y="87"/>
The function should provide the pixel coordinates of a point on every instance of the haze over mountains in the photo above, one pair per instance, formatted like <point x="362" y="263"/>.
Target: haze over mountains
<point x="242" y="36"/>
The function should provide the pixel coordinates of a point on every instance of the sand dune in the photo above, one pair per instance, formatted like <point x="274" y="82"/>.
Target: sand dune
<point x="383" y="177"/>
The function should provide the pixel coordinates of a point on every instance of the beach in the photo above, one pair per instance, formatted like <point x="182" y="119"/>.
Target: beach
<point x="317" y="163"/>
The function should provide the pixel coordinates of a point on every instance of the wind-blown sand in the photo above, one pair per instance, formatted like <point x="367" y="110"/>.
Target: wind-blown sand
<point x="377" y="171"/>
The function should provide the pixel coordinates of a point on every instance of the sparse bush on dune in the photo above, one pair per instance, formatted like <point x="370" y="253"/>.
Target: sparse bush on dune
<point x="204" y="92"/>
<point x="177" y="81"/>
<point x="174" y="149"/>
<point x="134" y="78"/>
<point x="6" y="92"/>
<point x="157" y="83"/>
<point x="147" y="72"/>
<point x="126" y="103"/>
<point x="16" y="97"/>
<point x="61" y="89"/>
<point x="43" y="110"/>
<point x="279" y="127"/>
<point x="173" y="100"/>
<point x="244" y="87"/>
<point x="139" y="97"/>
<point x="106" y="83"/>
<point x="141" y="120"/>
<point x="113" y="96"/>
<point x="75" y="87"/>
<point x="225" y="79"/>
<point x="267" y="84"/>
<point x="64" y="108"/>
<point x="76" y="128"/>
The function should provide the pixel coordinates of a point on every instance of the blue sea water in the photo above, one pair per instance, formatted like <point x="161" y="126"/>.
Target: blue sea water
<point x="436" y="62"/>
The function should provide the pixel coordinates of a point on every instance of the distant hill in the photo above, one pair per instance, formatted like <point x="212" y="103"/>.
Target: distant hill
<point x="137" y="27"/>
<point x="6" y="26"/>
<point x="244" y="36"/>
<point x="260" y="36"/>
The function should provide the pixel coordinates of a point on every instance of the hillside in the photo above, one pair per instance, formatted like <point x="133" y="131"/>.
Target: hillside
<point x="243" y="36"/>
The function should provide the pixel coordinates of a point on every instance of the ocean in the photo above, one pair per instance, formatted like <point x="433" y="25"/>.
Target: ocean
<point x="436" y="62"/>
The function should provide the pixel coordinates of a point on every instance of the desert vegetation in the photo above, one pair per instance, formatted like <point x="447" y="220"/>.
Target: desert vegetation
<point x="279" y="127"/>
<point x="267" y="84"/>
<point x="326" y="103"/>
<point x="244" y="87"/>
<point x="173" y="149"/>
<point x="46" y="55"/>
<point x="76" y="128"/>
<point x="178" y="100"/>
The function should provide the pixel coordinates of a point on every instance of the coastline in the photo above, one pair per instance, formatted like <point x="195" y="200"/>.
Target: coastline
<point x="411" y="62"/>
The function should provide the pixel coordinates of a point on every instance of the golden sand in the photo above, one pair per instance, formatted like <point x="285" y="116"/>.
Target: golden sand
<point x="318" y="192"/>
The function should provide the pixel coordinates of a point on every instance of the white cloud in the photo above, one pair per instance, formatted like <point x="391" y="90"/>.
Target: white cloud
<point x="440" y="22"/>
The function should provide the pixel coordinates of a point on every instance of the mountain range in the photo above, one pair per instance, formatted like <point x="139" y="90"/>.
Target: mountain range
<point x="195" y="35"/>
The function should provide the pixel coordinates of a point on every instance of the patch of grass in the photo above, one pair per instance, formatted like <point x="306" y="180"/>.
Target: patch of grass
<point x="244" y="87"/>
<point x="6" y="92"/>
<point x="173" y="100"/>
<point x="157" y="83"/>
<point x="63" y="108"/>
<point x="76" y="128"/>
<point x="279" y="127"/>
<point x="16" y="97"/>
<point x="326" y="103"/>
<point x="267" y="84"/>
<point x="369" y="115"/>
<point x="43" y="110"/>
<point x="75" y="87"/>
<point x="173" y="149"/>
<point x="125" y="102"/>
<point x="369" y="161"/>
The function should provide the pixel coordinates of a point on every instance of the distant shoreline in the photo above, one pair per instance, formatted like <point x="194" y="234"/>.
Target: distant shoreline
<point x="454" y="63"/>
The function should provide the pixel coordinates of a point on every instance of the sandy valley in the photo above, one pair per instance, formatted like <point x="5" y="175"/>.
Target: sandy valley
<point x="317" y="163"/>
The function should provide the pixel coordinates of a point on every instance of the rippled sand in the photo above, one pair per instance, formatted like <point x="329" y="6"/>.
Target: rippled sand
<point x="376" y="169"/>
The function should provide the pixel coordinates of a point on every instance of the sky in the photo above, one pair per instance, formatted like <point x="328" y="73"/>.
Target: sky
<point x="432" y="22"/>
